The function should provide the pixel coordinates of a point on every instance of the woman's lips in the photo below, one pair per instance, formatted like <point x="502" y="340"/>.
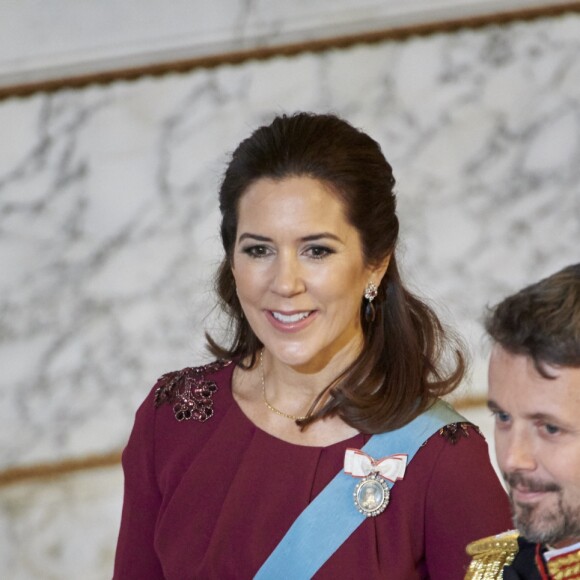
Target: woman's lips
<point x="290" y="321"/>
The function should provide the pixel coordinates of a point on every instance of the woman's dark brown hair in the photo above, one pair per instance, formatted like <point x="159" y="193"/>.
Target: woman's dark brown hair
<point x="400" y="370"/>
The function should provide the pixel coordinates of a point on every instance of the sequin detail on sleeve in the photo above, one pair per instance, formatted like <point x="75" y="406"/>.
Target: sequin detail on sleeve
<point x="189" y="392"/>
<point x="454" y="431"/>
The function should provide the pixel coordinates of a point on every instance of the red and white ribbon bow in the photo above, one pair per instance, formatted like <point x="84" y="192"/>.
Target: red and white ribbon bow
<point x="358" y="464"/>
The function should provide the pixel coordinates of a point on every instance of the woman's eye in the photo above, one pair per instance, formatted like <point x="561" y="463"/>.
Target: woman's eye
<point x="319" y="252"/>
<point x="256" y="251"/>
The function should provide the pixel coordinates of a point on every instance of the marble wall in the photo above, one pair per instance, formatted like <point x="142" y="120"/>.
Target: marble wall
<point x="108" y="232"/>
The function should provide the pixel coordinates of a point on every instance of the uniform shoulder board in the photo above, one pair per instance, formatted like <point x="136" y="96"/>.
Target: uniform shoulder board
<point x="489" y="555"/>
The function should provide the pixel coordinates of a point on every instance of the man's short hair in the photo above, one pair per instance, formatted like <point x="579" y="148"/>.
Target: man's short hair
<point x="541" y="321"/>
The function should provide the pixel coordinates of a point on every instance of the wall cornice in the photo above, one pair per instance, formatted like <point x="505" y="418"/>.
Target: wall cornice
<point x="165" y="63"/>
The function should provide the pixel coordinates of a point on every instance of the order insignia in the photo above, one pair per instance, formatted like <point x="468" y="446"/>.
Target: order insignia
<point x="371" y="495"/>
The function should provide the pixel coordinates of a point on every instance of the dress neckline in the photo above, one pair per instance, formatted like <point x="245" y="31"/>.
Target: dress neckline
<point x="356" y="441"/>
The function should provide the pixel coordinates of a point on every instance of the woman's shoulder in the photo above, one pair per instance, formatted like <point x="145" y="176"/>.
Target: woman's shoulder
<point x="457" y="457"/>
<point x="185" y="399"/>
<point x="190" y="391"/>
<point x="457" y="443"/>
<point x="459" y="437"/>
<point x="179" y="414"/>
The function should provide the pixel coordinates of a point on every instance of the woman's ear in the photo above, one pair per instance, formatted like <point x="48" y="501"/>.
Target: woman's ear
<point x="378" y="272"/>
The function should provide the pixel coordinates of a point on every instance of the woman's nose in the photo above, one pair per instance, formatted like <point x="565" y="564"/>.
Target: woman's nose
<point x="287" y="277"/>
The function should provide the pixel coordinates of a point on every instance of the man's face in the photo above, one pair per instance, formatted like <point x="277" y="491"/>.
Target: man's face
<point x="537" y="441"/>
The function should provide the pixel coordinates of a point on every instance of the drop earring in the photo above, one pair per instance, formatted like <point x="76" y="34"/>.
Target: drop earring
<point x="371" y="292"/>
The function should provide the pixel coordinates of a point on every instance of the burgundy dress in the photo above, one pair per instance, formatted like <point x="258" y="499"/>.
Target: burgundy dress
<point x="212" y="498"/>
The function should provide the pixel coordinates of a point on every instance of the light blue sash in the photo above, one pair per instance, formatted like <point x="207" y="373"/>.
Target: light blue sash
<point x="332" y="517"/>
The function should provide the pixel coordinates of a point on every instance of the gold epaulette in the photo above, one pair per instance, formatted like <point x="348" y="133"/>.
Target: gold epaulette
<point x="490" y="555"/>
<point x="565" y="566"/>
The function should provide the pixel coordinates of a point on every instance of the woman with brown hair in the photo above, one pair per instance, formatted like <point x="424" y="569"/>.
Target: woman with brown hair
<point x="260" y="464"/>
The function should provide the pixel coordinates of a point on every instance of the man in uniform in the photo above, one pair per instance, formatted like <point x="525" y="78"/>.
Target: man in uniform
<point x="534" y="395"/>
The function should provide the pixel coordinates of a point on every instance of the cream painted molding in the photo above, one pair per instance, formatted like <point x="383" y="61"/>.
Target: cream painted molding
<point x="43" y="41"/>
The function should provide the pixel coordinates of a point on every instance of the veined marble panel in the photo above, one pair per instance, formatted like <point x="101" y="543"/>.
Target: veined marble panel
<point x="61" y="529"/>
<point x="108" y="214"/>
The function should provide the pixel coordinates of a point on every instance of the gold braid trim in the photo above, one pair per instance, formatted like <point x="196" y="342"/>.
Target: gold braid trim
<point x="490" y="555"/>
<point x="566" y="566"/>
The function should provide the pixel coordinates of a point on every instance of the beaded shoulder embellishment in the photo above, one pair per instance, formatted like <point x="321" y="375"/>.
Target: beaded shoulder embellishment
<point x="454" y="431"/>
<point x="189" y="392"/>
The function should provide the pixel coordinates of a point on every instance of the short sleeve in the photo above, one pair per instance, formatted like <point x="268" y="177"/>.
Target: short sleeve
<point x="465" y="501"/>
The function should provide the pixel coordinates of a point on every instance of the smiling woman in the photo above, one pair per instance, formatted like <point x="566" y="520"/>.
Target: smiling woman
<point x="301" y="278"/>
<point x="299" y="282"/>
<point x="329" y="385"/>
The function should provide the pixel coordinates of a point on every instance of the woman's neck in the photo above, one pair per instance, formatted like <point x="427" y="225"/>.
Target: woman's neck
<point x="307" y="380"/>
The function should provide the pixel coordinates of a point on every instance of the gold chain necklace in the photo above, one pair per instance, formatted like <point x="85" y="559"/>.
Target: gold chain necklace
<point x="273" y="409"/>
